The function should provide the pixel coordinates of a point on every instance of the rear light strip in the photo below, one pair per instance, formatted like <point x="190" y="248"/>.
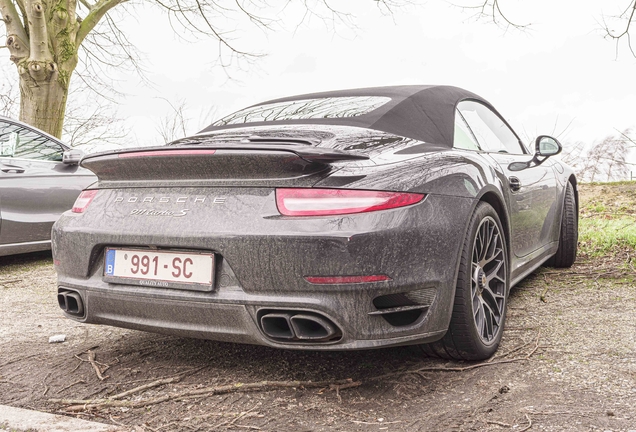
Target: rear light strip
<point x="333" y="280"/>
<point x="323" y="202"/>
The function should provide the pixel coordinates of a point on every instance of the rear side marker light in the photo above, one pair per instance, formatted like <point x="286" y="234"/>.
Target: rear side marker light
<point x="156" y="153"/>
<point x="334" y="280"/>
<point x="323" y="202"/>
<point x="83" y="200"/>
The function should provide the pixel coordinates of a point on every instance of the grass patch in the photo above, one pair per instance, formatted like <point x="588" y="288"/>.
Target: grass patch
<point x="622" y="182"/>
<point x="600" y="236"/>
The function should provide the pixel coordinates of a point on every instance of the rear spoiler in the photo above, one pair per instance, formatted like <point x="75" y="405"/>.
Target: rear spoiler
<point x="223" y="161"/>
<point x="304" y="151"/>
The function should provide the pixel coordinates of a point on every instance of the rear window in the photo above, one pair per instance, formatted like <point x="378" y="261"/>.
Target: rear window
<point x="335" y="107"/>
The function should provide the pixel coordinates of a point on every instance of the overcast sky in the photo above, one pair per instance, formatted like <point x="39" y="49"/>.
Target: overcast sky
<point x="559" y="76"/>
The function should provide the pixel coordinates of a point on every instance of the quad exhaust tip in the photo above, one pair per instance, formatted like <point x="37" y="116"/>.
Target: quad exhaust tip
<point x="70" y="302"/>
<point x="298" y="326"/>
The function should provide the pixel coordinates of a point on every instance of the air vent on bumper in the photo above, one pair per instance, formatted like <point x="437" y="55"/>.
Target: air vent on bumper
<point x="402" y="309"/>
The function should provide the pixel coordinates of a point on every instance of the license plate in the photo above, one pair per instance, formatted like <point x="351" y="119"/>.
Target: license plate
<point x="181" y="270"/>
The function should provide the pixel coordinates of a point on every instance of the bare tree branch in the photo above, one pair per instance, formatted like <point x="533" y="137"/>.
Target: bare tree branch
<point x="492" y="9"/>
<point x="628" y="17"/>
<point x="9" y="97"/>
<point x="174" y="125"/>
<point x="606" y="159"/>
<point x="96" y="13"/>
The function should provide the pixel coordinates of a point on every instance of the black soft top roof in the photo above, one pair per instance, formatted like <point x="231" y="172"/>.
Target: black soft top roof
<point x="425" y="113"/>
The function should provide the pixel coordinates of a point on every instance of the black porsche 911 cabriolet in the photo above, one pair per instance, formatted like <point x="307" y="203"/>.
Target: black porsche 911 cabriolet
<point x="343" y="220"/>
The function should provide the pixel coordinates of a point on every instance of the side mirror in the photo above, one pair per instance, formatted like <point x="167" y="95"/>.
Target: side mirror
<point x="72" y="156"/>
<point x="544" y="147"/>
<point x="547" y="146"/>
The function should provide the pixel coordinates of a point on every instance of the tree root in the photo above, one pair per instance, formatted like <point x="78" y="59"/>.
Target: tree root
<point x="478" y="365"/>
<point x="82" y="405"/>
<point x="78" y="405"/>
<point x="489" y="362"/>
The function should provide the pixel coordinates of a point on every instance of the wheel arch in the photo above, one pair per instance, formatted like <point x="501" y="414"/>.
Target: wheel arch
<point x="497" y="204"/>
<point x="574" y="183"/>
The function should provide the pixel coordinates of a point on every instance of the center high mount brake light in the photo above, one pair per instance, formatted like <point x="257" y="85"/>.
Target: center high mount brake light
<point x="155" y="153"/>
<point x="324" y="202"/>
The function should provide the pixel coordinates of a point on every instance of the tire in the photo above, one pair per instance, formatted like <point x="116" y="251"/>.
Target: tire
<point x="479" y="309"/>
<point x="569" y="234"/>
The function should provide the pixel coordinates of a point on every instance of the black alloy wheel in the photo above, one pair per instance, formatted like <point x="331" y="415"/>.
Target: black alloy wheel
<point x="488" y="284"/>
<point x="479" y="309"/>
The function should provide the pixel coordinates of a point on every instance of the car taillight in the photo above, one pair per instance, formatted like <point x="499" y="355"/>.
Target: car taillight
<point x="83" y="200"/>
<point x="323" y="202"/>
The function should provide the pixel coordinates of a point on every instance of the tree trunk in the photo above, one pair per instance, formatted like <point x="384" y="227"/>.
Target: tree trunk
<point x="42" y="40"/>
<point x="42" y="97"/>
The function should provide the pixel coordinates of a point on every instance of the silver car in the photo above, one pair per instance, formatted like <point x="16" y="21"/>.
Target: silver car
<point x="39" y="180"/>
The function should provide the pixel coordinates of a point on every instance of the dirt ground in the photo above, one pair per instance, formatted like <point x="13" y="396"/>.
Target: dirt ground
<point x="567" y="363"/>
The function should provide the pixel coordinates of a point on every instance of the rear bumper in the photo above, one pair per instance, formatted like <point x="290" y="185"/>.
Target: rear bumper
<point x="261" y="270"/>
<point x="233" y="322"/>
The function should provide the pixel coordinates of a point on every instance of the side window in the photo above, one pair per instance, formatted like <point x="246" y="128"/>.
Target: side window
<point x="463" y="137"/>
<point x="8" y="139"/>
<point x="491" y="132"/>
<point x="20" y="142"/>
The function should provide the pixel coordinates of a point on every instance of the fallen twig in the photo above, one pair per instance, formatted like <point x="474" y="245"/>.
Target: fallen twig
<point x="498" y="423"/>
<point x="514" y="350"/>
<point x="374" y="423"/>
<point x="235" y="419"/>
<point x="46" y="387"/>
<point x="529" y="424"/>
<point x="70" y="385"/>
<point x="338" y="387"/>
<point x="19" y="359"/>
<point x="11" y="281"/>
<point x="542" y="297"/>
<point x="94" y="363"/>
<point x="119" y="395"/>
<point x="91" y="359"/>
<point x="478" y="365"/>
<point x="145" y="387"/>
<point x="81" y="405"/>
<point x="465" y="368"/>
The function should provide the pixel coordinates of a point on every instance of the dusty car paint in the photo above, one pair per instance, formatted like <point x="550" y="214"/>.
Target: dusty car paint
<point x="219" y="196"/>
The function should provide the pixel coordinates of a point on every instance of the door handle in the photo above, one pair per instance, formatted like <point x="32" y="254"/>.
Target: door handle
<point x="515" y="183"/>
<point x="16" y="169"/>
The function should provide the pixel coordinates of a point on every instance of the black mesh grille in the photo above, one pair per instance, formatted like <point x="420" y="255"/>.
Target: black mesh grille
<point x="423" y="297"/>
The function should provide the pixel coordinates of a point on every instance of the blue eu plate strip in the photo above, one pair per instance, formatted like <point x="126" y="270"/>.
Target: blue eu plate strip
<point x="109" y="270"/>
